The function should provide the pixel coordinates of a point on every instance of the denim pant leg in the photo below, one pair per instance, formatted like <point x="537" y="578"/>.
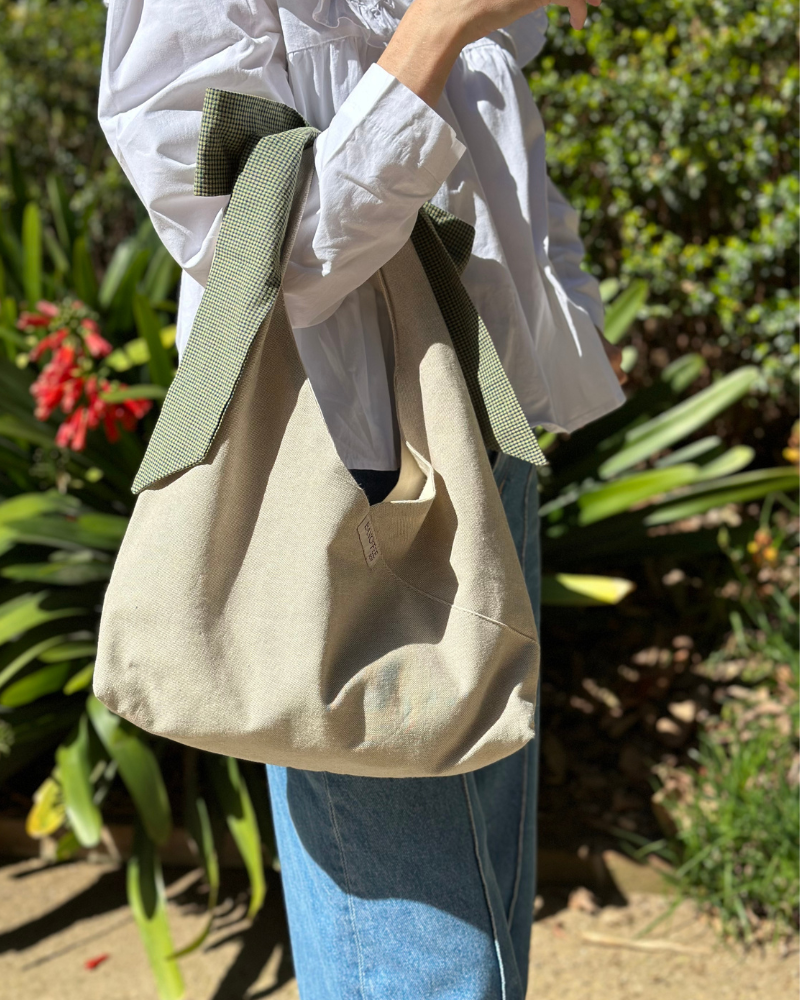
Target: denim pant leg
<point x="404" y="889"/>
<point x="512" y="785"/>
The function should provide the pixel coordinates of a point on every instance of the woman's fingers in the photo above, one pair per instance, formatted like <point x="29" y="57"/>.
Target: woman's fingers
<point x="577" y="10"/>
<point x="577" y="13"/>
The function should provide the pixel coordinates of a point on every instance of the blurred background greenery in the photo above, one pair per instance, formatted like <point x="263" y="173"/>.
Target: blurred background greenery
<point x="670" y="722"/>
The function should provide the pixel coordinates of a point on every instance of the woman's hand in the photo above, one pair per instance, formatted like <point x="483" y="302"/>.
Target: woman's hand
<point x="477" y="18"/>
<point x="431" y="34"/>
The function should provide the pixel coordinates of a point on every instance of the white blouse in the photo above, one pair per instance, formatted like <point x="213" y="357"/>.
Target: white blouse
<point x="381" y="154"/>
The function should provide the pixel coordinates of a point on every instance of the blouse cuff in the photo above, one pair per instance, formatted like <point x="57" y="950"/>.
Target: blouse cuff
<point x="405" y="134"/>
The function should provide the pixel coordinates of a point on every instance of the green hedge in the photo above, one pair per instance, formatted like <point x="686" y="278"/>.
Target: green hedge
<point x="50" y="52"/>
<point x="672" y="125"/>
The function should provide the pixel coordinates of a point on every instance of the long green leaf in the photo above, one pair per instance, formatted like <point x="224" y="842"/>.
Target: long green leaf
<point x="80" y="681"/>
<point x="46" y="680"/>
<point x="9" y="312"/>
<point x="681" y="372"/>
<point x="690" y="452"/>
<point x="138" y="769"/>
<point x="624" y="309"/>
<point x="237" y="806"/>
<point x="140" y="391"/>
<point x="62" y="573"/>
<point x="57" y="255"/>
<point x="583" y="590"/>
<point x="63" y="218"/>
<point x="84" y="279"/>
<point x="741" y="488"/>
<point x="74" y="770"/>
<point x="34" y="504"/>
<point x="733" y="460"/>
<point x="68" y="651"/>
<point x="148" y="902"/>
<point x="91" y="531"/>
<point x="149" y="329"/>
<point x="13" y="338"/>
<point x="637" y="489"/>
<point x="14" y="428"/>
<point x="160" y="277"/>
<point x="32" y="254"/>
<point x="680" y="421"/>
<point x="121" y="260"/>
<point x="199" y="824"/>
<point x="24" y="612"/>
<point x="26" y="655"/>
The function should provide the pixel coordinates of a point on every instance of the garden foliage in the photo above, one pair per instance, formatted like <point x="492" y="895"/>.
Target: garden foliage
<point x="673" y="128"/>
<point x="682" y="182"/>
<point x="50" y="53"/>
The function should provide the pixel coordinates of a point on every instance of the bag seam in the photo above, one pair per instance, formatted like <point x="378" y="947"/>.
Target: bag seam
<point x="485" y="884"/>
<point x="459" y="607"/>
<point x="349" y="891"/>
<point x="520" y="839"/>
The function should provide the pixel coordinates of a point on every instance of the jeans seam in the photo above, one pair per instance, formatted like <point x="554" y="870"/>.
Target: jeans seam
<point x="520" y="838"/>
<point x="524" y="554"/>
<point x="349" y="891"/>
<point x="476" y="844"/>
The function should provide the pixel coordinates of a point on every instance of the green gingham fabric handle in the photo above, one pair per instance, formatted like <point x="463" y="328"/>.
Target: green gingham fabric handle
<point x="443" y="244"/>
<point x="253" y="148"/>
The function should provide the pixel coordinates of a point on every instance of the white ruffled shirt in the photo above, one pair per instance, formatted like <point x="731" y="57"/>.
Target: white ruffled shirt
<point x="381" y="153"/>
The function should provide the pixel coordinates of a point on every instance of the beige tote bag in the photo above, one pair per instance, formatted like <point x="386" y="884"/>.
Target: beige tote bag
<point x="259" y="606"/>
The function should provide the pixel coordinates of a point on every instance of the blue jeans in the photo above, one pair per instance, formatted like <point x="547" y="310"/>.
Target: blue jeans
<point x="416" y="888"/>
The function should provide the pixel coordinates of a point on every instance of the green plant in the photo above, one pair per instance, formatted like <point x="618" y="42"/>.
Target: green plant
<point x="632" y="484"/>
<point x="673" y="128"/>
<point x="733" y="817"/>
<point x="63" y="512"/>
<point x="738" y="833"/>
<point x="730" y="811"/>
<point x="50" y="52"/>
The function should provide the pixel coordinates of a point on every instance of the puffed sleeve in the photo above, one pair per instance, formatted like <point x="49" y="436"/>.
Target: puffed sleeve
<point x="566" y="251"/>
<point x="527" y="36"/>
<point x="384" y="153"/>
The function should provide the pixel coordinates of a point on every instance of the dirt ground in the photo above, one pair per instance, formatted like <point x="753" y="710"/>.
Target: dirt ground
<point x="53" y="921"/>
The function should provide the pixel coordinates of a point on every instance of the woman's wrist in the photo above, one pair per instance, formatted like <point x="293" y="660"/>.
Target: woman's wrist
<point x="423" y="49"/>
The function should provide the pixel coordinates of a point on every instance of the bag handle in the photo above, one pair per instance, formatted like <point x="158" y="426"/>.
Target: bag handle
<point x="443" y="244"/>
<point x="256" y="149"/>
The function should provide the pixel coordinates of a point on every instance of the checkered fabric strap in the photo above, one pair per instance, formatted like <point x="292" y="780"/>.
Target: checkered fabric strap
<point x="444" y="244"/>
<point x="254" y="147"/>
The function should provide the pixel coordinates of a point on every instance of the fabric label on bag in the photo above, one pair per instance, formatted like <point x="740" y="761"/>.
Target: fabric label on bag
<point x="369" y="542"/>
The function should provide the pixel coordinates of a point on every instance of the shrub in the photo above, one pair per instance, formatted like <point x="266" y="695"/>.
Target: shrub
<point x="50" y="53"/>
<point x="673" y="128"/>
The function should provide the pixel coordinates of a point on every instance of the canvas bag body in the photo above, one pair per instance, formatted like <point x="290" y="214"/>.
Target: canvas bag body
<point x="260" y="608"/>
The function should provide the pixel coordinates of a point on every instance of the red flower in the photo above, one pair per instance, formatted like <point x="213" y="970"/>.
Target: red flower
<point x="46" y="311"/>
<point x="67" y="381"/>
<point x="97" y="345"/>
<point x="29" y="320"/>
<point x="50" y="342"/>
<point x="60" y="382"/>
<point x="72" y="433"/>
